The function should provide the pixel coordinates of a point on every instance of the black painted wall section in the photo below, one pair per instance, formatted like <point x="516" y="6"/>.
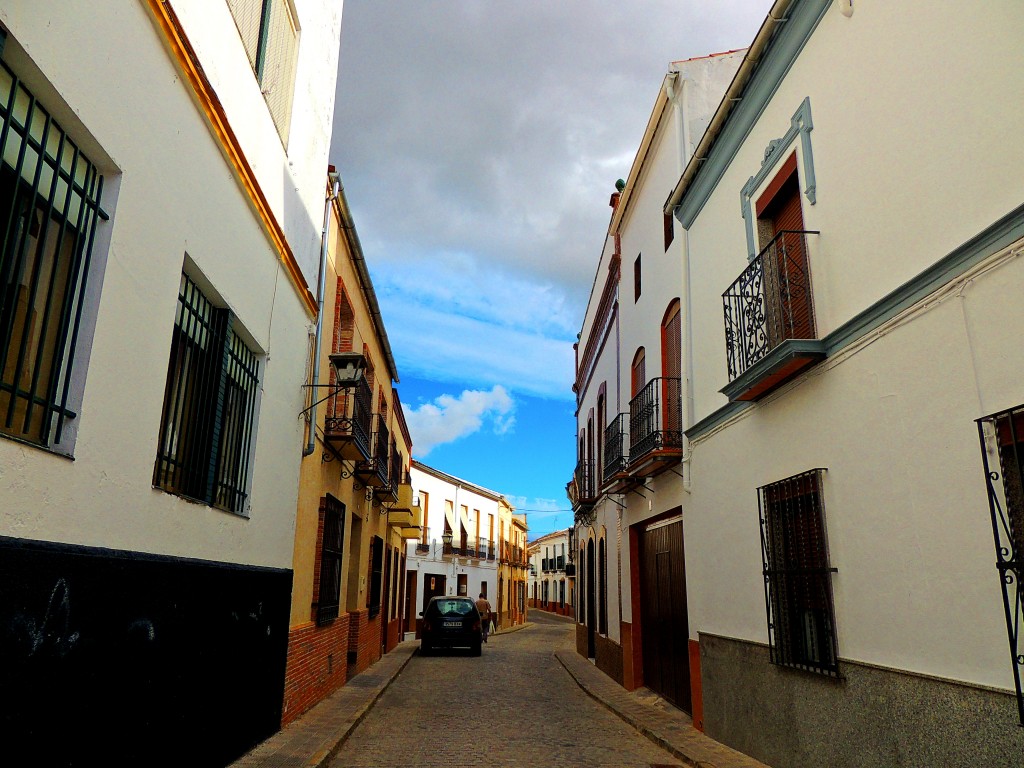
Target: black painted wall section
<point x="121" y="658"/>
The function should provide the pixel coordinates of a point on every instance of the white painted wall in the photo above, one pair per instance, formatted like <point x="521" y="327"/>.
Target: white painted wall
<point x="176" y="195"/>
<point x="914" y="153"/>
<point x="439" y="490"/>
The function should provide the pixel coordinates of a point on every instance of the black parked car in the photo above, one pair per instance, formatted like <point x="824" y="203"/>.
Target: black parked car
<point x="450" y="622"/>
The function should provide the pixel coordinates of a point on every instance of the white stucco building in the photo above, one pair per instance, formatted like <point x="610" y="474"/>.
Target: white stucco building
<point x="471" y="543"/>
<point x="162" y="188"/>
<point x="630" y="402"/>
<point x="551" y="578"/>
<point x="852" y="237"/>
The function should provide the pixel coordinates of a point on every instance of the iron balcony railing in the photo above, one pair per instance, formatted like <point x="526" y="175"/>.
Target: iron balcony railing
<point x="422" y="549"/>
<point x="1002" y="455"/>
<point x="374" y="470"/>
<point x="655" y="418"/>
<point x="490" y="549"/>
<point x="586" y="487"/>
<point x="770" y="302"/>
<point x="349" y="416"/>
<point x="389" y="491"/>
<point x="616" y="454"/>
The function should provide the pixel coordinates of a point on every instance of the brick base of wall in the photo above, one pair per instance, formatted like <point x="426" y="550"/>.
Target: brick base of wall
<point x="363" y="641"/>
<point x="561" y="610"/>
<point x="317" y="665"/>
<point x="394" y="634"/>
<point x="581" y="640"/>
<point x="608" y="657"/>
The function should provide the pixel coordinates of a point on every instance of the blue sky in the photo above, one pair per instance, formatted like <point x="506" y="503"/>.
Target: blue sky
<point x="478" y="143"/>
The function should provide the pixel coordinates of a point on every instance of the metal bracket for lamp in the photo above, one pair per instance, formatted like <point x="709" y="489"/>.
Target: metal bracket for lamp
<point x="348" y="370"/>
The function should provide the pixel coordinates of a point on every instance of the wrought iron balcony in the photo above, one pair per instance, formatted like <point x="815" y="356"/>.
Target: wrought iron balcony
<point x="655" y="427"/>
<point x="586" y="486"/>
<point x="374" y="471"/>
<point x="347" y="425"/>
<point x="388" y="492"/>
<point x="770" y="332"/>
<point x="616" y="454"/>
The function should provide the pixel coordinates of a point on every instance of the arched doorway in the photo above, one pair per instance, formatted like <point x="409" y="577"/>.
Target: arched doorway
<point x="591" y="602"/>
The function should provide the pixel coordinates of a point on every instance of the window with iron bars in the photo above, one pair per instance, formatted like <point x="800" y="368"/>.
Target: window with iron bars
<point x="270" y="34"/>
<point x="49" y="211"/>
<point x="1002" y="453"/>
<point x="328" y="600"/>
<point x="798" y="575"/>
<point x="373" y="597"/>
<point x="207" y="425"/>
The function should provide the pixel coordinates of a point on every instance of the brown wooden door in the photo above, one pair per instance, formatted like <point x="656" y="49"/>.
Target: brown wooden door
<point x="665" y="628"/>
<point x="671" y="370"/>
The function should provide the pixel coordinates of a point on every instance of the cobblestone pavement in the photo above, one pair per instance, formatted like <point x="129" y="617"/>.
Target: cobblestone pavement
<point x="513" y="706"/>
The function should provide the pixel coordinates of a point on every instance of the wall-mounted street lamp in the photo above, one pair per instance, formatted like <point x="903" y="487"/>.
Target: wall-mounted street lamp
<point x="348" y="371"/>
<point x="348" y="368"/>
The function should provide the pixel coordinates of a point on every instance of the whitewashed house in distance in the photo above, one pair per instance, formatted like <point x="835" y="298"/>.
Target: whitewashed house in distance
<point x="850" y="506"/>
<point x="162" y="169"/>
<point x="552" y="570"/>
<point x="468" y="532"/>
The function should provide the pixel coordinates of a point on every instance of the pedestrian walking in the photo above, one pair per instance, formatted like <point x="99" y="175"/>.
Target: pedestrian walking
<point x="485" y="616"/>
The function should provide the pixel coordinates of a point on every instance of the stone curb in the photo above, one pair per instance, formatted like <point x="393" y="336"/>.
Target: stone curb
<point x="689" y="745"/>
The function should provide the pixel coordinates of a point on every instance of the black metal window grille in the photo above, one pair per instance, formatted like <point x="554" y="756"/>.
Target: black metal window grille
<point x="332" y="512"/>
<point x="1002" y="453"/>
<point x="49" y="207"/>
<point x="376" y="575"/>
<point x="206" y="428"/>
<point x="797" y="574"/>
<point x="655" y="418"/>
<point x="769" y="302"/>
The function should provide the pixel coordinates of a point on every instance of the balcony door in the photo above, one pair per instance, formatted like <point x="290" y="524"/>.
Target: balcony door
<point x="671" y="371"/>
<point x="786" y="276"/>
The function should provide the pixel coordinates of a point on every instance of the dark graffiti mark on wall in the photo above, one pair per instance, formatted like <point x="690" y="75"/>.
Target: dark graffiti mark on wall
<point x="116" y="658"/>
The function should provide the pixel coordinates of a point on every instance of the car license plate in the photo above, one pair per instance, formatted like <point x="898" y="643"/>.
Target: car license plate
<point x="453" y="623"/>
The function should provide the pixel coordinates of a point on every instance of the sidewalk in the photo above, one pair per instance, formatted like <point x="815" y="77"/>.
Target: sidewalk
<point x="314" y="738"/>
<point x="667" y="727"/>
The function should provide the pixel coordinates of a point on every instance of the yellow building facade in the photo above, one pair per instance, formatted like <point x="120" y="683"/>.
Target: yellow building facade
<point x="355" y="502"/>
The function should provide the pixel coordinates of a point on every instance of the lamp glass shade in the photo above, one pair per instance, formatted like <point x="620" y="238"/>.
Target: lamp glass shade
<point x="446" y="538"/>
<point x="348" y="367"/>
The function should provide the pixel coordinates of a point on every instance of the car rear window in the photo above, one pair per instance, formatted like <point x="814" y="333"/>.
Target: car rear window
<point x="454" y="607"/>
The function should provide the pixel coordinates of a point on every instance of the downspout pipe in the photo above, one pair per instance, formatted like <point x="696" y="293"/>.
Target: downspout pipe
<point x="335" y="181"/>
<point x="676" y="88"/>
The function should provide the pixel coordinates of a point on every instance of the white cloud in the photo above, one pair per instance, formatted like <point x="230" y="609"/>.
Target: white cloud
<point x="434" y="344"/>
<point x="449" y="418"/>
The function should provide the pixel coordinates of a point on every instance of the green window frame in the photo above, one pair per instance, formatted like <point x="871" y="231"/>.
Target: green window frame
<point x="49" y="212"/>
<point x="208" y="421"/>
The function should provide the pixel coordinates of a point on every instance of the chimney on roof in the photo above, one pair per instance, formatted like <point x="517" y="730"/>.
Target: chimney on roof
<point x="614" y="201"/>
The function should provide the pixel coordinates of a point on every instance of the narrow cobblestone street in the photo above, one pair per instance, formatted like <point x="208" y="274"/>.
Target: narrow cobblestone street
<point x="514" y="706"/>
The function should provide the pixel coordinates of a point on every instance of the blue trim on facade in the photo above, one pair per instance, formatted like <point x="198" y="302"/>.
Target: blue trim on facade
<point x="773" y="68"/>
<point x="799" y="125"/>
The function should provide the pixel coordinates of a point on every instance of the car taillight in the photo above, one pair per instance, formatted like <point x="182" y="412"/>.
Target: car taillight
<point x="476" y="626"/>
<point x="426" y="625"/>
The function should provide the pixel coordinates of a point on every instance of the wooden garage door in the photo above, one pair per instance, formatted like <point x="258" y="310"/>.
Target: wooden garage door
<point x="664" y="627"/>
